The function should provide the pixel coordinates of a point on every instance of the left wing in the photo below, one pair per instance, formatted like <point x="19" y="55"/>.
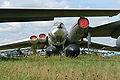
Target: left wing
<point x="107" y="30"/>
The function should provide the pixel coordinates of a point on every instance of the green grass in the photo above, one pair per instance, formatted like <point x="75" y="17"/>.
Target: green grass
<point x="60" y="68"/>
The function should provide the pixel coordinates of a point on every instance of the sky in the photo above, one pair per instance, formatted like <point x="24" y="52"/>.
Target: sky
<point x="14" y="31"/>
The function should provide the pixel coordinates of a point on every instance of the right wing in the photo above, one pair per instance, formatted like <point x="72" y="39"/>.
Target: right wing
<point x="27" y="14"/>
<point x="18" y="44"/>
<point x="24" y="43"/>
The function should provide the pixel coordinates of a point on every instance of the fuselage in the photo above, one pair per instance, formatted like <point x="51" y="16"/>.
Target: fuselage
<point x="58" y="35"/>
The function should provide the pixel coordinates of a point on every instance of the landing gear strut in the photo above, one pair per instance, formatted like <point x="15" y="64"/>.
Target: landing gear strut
<point x="34" y="49"/>
<point x="89" y="42"/>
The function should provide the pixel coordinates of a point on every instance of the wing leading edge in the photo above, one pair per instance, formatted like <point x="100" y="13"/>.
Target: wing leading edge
<point x="23" y="15"/>
<point x="37" y="43"/>
<point x="18" y="44"/>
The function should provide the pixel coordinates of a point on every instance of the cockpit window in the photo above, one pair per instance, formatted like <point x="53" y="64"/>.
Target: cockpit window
<point x="57" y="24"/>
<point x="62" y="25"/>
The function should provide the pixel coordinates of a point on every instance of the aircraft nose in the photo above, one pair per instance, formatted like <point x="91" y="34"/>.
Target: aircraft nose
<point x="60" y="26"/>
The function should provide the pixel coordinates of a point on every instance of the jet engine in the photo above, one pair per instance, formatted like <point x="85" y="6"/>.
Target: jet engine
<point x="80" y="30"/>
<point x="72" y="51"/>
<point x="51" y="50"/>
<point x="118" y="42"/>
<point x="33" y="39"/>
<point x="42" y="38"/>
<point x="83" y="22"/>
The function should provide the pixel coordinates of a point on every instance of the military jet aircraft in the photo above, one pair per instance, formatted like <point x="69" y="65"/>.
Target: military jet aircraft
<point x="59" y="40"/>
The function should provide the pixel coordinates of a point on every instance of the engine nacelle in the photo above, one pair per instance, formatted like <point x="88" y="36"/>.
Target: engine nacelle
<point x="33" y="39"/>
<point x="83" y="22"/>
<point x="72" y="51"/>
<point x="42" y="38"/>
<point x="118" y="42"/>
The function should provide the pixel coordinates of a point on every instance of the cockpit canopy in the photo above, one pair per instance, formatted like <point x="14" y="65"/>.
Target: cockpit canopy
<point x="58" y="25"/>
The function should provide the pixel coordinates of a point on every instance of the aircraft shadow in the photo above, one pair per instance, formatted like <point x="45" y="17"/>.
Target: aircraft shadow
<point x="100" y="60"/>
<point x="9" y="59"/>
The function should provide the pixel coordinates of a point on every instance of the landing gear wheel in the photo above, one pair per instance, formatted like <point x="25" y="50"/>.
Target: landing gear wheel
<point x="72" y="51"/>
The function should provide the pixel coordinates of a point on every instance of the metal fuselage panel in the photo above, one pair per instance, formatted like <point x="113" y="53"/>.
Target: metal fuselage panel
<point x="76" y="33"/>
<point x="57" y="36"/>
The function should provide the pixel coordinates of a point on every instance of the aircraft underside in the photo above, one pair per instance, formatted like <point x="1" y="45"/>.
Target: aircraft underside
<point x="59" y="40"/>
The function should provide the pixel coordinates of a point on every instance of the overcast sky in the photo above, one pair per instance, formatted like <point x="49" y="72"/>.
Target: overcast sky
<point x="10" y="32"/>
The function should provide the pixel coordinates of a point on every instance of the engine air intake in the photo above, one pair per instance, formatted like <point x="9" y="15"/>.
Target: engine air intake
<point x="83" y="22"/>
<point x="33" y="37"/>
<point x="42" y="36"/>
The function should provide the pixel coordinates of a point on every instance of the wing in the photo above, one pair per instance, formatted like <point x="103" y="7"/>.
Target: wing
<point x="107" y="30"/>
<point x="22" y="15"/>
<point x="40" y="43"/>
<point x="111" y="48"/>
<point x="17" y="44"/>
<point x="96" y="45"/>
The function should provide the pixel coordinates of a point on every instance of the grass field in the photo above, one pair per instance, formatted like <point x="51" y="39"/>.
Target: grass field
<point x="60" y="68"/>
